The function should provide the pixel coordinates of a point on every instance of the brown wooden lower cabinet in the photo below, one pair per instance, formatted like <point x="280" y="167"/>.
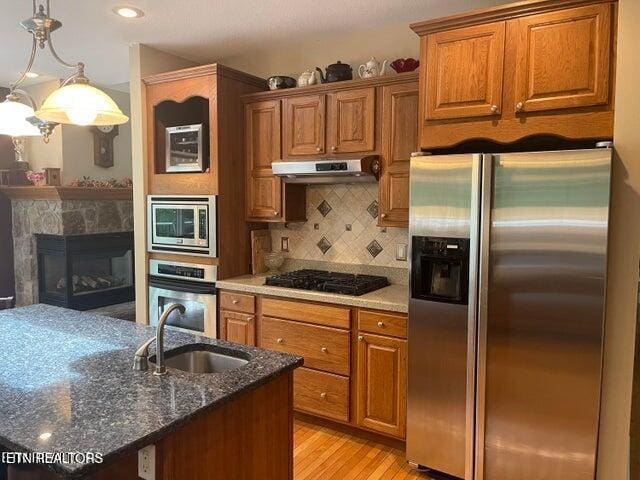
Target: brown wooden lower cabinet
<point x="237" y="327"/>
<point x="321" y="393"/>
<point x="382" y="384"/>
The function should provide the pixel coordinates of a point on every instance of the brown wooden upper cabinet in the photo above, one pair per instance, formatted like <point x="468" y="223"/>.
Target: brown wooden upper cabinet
<point x="464" y="72"/>
<point x="303" y="129"/>
<point x="262" y="127"/>
<point x="352" y="121"/>
<point x="563" y="59"/>
<point x="517" y="70"/>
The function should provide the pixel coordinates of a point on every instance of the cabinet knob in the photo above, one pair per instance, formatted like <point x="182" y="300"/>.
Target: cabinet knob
<point x="235" y="302"/>
<point x="280" y="340"/>
<point x="324" y="350"/>
<point x="380" y="324"/>
<point x="360" y="338"/>
<point x="323" y="395"/>
<point x="276" y="213"/>
<point x="334" y="148"/>
<point x="494" y="108"/>
<point x="519" y="106"/>
<point x="318" y="149"/>
<point x="383" y="215"/>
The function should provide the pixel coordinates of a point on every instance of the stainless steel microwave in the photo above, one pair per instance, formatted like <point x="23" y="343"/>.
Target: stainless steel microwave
<point x="184" y="224"/>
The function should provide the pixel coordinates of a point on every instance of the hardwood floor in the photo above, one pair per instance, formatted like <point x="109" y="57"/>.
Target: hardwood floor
<point x="321" y="452"/>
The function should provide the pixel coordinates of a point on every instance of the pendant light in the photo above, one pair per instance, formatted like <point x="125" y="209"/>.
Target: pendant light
<point x="76" y="102"/>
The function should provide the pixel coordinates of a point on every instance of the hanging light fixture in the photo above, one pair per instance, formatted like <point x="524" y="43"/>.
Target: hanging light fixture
<point x="76" y="102"/>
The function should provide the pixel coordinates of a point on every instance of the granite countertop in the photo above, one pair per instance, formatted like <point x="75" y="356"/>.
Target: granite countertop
<point x="67" y="384"/>
<point x="394" y="298"/>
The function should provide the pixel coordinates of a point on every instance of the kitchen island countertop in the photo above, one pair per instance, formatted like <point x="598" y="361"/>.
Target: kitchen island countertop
<point x="67" y="384"/>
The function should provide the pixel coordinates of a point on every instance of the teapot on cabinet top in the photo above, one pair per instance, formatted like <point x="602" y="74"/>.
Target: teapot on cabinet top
<point x="336" y="72"/>
<point x="308" y="77"/>
<point x="372" y="68"/>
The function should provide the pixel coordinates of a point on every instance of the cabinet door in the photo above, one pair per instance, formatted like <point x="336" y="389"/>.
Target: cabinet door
<point x="237" y="327"/>
<point x="352" y="121"/>
<point x="303" y="125"/>
<point x="262" y="131"/>
<point x="382" y="384"/>
<point x="563" y="59"/>
<point x="464" y="72"/>
<point x="399" y="140"/>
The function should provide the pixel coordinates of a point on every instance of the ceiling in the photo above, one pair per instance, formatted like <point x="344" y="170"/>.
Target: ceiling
<point x="199" y="30"/>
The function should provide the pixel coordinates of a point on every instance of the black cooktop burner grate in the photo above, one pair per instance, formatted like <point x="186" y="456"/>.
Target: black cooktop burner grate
<point x="323" y="281"/>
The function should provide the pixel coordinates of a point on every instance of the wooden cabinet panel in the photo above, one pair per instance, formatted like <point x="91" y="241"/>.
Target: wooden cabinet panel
<point x="321" y="393"/>
<point x="264" y="191"/>
<point x="323" y="348"/>
<point x="464" y="69"/>
<point x="237" y="302"/>
<point x="399" y="140"/>
<point x="237" y="327"/>
<point x="381" y="323"/>
<point x="328" y="315"/>
<point x="303" y="125"/>
<point x="563" y="59"/>
<point x="381" y="384"/>
<point x="352" y="121"/>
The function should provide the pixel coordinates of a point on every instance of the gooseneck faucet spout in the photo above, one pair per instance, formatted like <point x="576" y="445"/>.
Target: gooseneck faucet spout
<point x="140" y="361"/>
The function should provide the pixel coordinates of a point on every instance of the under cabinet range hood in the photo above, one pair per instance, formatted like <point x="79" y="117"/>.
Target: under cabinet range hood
<point x="339" y="170"/>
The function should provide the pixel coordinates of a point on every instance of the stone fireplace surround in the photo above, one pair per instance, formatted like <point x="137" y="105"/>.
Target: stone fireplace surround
<point x="58" y="217"/>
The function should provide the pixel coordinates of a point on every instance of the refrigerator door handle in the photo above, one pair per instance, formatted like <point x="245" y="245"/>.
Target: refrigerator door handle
<point x="482" y="311"/>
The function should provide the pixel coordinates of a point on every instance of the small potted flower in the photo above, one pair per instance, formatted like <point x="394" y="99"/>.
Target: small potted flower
<point x="36" y="178"/>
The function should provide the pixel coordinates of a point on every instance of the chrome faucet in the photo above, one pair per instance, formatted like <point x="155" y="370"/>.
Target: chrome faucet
<point x="141" y="359"/>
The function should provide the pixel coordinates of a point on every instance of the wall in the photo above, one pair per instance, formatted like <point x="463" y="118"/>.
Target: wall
<point x="143" y="61"/>
<point x="388" y="42"/>
<point x="342" y="227"/>
<point x="71" y="147"/>
<point x="624" y="255"/>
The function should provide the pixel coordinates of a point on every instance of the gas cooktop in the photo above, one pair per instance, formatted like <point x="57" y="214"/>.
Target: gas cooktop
<point x="323" y="281"/>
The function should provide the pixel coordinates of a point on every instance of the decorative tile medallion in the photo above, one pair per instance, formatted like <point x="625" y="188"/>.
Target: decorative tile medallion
<point x="373" y="209"/>
<point x="374" y="248"/>
<point x="324" y="208"/>
<point x="324" y="245"/>
<point x="347" y="227"/>
<point x="316" y="226"/>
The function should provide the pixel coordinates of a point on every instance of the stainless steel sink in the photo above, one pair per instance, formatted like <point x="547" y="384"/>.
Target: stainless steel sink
<point x="201" y="360"/>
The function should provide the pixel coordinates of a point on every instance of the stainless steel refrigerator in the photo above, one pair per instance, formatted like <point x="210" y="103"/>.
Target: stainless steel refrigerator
<point x="508" y="262"/>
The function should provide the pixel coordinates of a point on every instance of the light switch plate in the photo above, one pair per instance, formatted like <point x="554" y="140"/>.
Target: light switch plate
<point x="401" y="251"/>
<point x="147" y="462"/>
<point x="284" y="244"/>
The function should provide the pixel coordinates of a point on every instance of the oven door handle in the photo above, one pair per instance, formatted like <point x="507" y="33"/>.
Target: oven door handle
<point x="182" y="285"/>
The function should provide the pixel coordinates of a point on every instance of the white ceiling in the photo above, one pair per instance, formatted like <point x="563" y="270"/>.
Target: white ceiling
<point x="200" y="30"/>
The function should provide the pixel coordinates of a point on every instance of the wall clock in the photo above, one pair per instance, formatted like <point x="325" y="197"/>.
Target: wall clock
<point x="103" y="137"/>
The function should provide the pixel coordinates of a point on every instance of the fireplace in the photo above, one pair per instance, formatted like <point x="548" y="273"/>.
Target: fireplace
<point x="85" y="271"/>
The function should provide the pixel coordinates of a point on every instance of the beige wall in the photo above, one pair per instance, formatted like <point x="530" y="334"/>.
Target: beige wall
<point x="71" y="147"/>
<point x="143" y="61"/>
<point x="624" y="254"/>
<point x="388" y="42"/>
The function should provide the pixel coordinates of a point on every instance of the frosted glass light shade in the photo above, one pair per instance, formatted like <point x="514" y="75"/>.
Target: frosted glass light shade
<point x="81" y="104"/>
<point x="13" y="121"/>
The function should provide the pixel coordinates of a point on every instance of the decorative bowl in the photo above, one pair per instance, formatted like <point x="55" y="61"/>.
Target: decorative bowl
<point x="278" y="82"/>
<point x="402" y="65"/>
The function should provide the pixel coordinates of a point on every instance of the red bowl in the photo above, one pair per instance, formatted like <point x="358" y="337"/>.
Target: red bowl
<point x="402" y="65"/>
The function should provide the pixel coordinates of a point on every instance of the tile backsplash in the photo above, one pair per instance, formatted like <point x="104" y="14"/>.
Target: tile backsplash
<point x="342" y="227"/>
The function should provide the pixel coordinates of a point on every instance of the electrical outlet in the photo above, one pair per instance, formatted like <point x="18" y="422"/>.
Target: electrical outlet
<point x="284" y="244"/>
<point x="401" y="251"/>
<point x="147" y="462"/>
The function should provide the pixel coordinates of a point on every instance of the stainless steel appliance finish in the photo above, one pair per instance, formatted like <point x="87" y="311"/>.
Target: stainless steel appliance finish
<point x="200" y="359"/>
<point x="183" y="224"/>
<point x="536" y="324"/>
<point x="191" y="285"/>
<point x="184" y="148"/>
<point x="337" y="170"/>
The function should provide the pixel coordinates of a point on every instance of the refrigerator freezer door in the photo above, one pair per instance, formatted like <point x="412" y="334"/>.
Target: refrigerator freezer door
<point x="541" y="331"/>
<point x="441" y="360"/>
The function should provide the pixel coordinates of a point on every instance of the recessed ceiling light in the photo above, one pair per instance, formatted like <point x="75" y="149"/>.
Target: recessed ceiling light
<point x="128" y="12"/>
<point x="32" y="75"/>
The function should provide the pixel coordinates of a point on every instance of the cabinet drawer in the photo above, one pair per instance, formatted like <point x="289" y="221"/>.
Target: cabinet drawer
<point x="307" y="312"/>
<point x="237" y="302"/>
<point x="323" y="348"/>
<point x="382" y="323"/>
<point x="321" y="394"/>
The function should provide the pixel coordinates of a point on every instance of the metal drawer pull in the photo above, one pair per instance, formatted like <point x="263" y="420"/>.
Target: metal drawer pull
<point x="381" y="324"/>
<point x="323" y="395"/>
<point x="324" y="349"/>
<point x="519" y="106"/>
<point x="360" y="338"/>
<point x="235" y="302"/>
<point x="280" y="340"/>
<point x="494" y="108"/>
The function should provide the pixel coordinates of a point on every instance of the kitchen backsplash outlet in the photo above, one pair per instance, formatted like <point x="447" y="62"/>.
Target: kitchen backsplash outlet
<point x="342" y="227"/>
